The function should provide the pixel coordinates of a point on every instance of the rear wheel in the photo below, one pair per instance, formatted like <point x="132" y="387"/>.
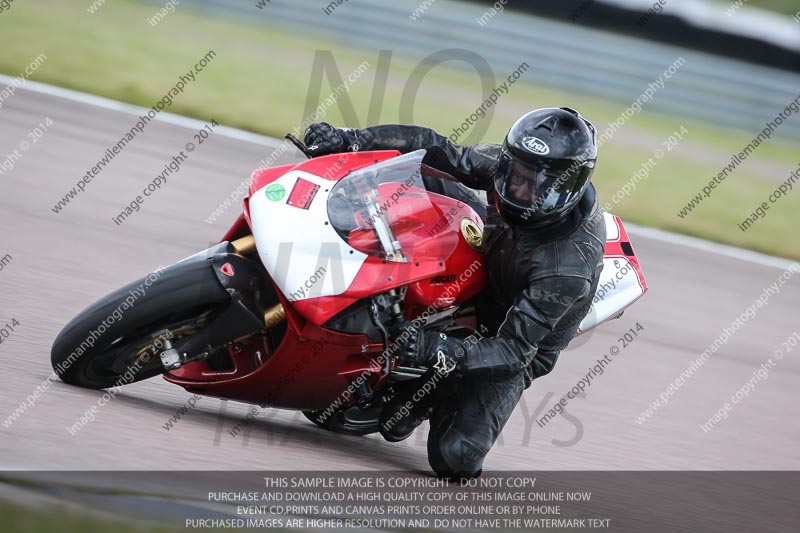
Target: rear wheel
<point x="351" y="421"/>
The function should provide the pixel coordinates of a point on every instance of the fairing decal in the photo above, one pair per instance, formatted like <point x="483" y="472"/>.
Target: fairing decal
<point x="302" y="252"/>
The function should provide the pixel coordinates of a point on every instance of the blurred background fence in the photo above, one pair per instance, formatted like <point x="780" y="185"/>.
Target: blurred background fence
<point x="563" y="55"/>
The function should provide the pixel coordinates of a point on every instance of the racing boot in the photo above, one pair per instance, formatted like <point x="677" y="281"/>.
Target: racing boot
<point x="412" y="405"/>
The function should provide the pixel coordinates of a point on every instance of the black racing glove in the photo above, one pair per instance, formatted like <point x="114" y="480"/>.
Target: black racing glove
<point x="323" y="139"/>
<point x="415" y="347"/>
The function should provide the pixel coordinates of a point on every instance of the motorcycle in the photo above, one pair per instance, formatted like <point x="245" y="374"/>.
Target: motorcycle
<point x="290" y="309"/>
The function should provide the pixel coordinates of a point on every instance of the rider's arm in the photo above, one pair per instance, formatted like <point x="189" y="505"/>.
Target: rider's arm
<point x="533" y="315"/>
<point x="474" y="166"/>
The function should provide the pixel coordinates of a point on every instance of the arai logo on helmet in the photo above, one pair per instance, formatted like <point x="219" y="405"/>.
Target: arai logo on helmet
<point x="537" y="146"/>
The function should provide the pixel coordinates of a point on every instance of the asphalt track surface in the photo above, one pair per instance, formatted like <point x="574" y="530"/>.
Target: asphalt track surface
<point x="63" y="262"/>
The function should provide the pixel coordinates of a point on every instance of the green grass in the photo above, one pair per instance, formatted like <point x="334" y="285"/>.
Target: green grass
<point x="259" y="81"/>
<point x="59" y="519"/>
<point x="17" y="519"/>
<point x="786" y="7"/>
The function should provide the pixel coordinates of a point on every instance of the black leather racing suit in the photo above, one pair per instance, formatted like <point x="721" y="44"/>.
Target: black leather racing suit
<point x="541" y="285"/>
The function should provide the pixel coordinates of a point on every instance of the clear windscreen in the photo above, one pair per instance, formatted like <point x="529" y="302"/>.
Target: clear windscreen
<point x="385" y="210"/>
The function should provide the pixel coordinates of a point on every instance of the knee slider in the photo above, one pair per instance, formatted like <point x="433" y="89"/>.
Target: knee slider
<point x="455" y="456"/>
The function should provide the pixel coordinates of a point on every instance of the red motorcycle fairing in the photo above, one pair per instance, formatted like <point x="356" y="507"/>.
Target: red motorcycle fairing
<point x="463" y="276"/>
<point x="309" y="369"/>
<point x="359" y="220"/>
<point x="621" y="282"/>
<point x="308" y="372"/>
<point x="330" y="167"/>
<point x="430" y="233"/>
<point x="312" y="367"/>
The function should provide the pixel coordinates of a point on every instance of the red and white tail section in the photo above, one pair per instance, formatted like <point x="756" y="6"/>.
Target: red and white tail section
<point x="621" y="282"/>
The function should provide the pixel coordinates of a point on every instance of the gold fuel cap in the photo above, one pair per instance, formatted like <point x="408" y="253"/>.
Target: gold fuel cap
<point x="472" y="233"/>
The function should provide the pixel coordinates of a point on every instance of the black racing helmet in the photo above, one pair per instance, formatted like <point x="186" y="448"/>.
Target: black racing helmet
<point x="546" y="164"/>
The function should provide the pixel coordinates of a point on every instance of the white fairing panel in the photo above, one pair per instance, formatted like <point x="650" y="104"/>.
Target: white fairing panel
<point x="300" y="249"/>
<point x="619" y="284"/>
<point x="612" y="228"/>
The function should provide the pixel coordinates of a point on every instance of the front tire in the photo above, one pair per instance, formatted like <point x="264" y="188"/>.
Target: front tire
<point x="118" y="339"/>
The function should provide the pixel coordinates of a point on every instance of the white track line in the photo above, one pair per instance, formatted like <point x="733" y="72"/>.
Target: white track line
<point x="710" y="247"/>
<point x="241" y="135"/>
<point x="114" y="105"/>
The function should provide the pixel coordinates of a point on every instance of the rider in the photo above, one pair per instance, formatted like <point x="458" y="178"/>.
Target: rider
<point x="544" y="253"/>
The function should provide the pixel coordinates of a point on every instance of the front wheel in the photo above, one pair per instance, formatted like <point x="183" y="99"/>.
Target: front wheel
<point x="118" y="340"/>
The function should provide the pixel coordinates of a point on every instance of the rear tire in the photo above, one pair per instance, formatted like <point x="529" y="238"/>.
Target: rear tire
<point x="352" y="421"/>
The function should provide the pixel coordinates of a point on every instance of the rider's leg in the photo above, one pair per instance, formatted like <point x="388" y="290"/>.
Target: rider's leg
<point x="413" y="403"/>
<point x="466" y="425"/>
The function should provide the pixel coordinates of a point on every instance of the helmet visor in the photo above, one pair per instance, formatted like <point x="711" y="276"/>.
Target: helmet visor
<point x="540" y="187"/>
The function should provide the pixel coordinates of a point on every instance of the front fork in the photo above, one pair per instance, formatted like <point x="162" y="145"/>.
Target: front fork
<point x="248" y="294"/>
